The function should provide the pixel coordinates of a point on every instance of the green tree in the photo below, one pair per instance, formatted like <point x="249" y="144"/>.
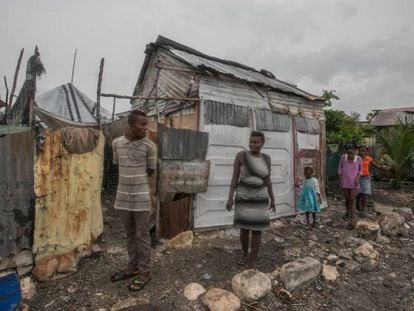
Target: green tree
<point x="328" y="96"/>
<point x="397" y="145"/>
<point x="371" y="115"/>
<point x="341" y="128"/>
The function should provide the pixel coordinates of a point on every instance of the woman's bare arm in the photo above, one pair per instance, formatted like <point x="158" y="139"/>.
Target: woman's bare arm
<point x="235" y="179"/>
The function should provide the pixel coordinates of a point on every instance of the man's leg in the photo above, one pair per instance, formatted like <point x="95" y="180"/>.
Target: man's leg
<point x="130" y="228"/>
<point x="142" y="223"/>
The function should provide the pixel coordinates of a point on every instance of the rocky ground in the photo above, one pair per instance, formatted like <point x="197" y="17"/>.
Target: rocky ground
<point x="377" y="278"/>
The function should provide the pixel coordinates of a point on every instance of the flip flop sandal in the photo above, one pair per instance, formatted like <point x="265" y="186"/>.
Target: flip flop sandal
<point x="123" y="275"/>
<point x="138" y="285"/>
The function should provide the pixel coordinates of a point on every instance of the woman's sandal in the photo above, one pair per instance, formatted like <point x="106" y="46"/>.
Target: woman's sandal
<point x="351" y="226"/>
<point x="138" y="284"/>
<point x="123" y="275"/>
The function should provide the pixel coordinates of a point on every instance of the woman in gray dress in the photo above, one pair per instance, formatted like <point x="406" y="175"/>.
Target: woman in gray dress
<point x="253" y="187"/>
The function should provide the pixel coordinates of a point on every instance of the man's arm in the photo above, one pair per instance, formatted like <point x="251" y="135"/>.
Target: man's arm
<point x="151" y="159"/>
<point x="114" y="153"/>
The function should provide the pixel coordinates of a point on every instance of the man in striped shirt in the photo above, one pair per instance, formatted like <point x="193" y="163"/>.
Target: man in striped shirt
<point x="136" y="157"/>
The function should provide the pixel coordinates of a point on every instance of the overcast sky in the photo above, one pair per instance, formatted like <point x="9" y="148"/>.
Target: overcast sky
<point x="363" y="49"/>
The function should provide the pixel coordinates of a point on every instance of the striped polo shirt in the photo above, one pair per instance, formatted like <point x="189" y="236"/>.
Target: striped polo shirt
<point x="134" y="158"/>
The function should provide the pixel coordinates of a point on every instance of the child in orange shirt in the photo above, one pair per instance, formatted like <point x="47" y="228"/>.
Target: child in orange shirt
<point x="365" y="188"/>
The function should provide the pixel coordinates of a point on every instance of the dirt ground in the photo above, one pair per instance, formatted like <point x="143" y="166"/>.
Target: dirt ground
<point x="212" y="262"/>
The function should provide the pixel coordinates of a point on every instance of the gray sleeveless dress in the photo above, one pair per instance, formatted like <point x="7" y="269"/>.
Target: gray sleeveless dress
<point x="252" y="200"/>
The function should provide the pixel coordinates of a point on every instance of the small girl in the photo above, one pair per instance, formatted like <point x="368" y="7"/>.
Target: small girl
<point x="310" y="196"/>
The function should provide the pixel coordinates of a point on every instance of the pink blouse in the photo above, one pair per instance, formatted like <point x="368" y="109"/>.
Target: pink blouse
<point x="349" y="171"/>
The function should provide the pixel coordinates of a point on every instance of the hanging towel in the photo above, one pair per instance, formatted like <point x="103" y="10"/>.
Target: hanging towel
<point x="80" y="140"/>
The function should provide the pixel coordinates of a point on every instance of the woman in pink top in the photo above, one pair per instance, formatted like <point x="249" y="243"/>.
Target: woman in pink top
<point x="349" y="171"/>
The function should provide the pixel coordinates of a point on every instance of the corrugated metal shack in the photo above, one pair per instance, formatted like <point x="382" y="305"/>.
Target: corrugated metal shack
<point x="50" y="195"/>
<point x="16" y="197"/>
<point x="228" y="100"/>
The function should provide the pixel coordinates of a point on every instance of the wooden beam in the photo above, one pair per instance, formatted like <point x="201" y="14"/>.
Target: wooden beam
<point x="16" y="74"/>
<point x="173" y="68"/>
<point x="98" y="93"/>
<point x="150" y="98"/>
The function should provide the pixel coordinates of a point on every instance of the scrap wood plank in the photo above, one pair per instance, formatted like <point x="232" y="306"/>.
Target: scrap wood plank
<point x="184" y="176"/>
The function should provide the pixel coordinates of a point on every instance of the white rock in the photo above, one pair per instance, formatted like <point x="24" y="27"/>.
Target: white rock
<point x="367" y="250"/>
<point x="193" y="290"/>
<point x="217" y="299"/>
<point x="332" y="258"/>
<point x="251" y="284"/>
<point x="382" y="208"/>
<point x="406" y="212"/>
<point x="367" y="229"/>
<point x="382" y="239"/>
<point x="23" y="258"/>
<point x="129" y="302"/>
<point x="27" y="288"/>
<point x="299" y="271"/>
<point x="182" y="240"/>
<point x="329" y="273"/>
<point x="392" y="224"/>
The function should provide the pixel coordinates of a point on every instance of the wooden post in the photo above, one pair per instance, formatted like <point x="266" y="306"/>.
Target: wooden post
<point x="73" y="66"/>
<point x="158" y="205"/>
<point x="113" y="109"/>
<point x="6" y="109"/>
<point x="98" y="94"/>
<point x="16" y="74"/>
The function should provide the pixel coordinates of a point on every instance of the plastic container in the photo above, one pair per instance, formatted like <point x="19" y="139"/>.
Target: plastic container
<point x="10" y="295"/>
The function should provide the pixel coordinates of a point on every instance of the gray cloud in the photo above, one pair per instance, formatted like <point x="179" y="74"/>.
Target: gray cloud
<point x="362" y="49"/>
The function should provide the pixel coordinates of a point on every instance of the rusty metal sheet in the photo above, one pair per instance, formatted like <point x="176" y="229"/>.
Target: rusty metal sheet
<point x="175" y="217"/>
<point x="16" y="189"/>
<point x="266" y="120"/>
<point x="184" y="176"/>
<point x="225" y="114"/>
<point x="68" y="190"/>
<point x="182" y="144"/>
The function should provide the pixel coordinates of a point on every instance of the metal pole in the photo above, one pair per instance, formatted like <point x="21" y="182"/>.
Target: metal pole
<point x="98" y="94"/>
<point x="73" y="66"/>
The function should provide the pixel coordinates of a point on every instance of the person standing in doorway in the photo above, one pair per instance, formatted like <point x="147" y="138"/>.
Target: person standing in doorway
<point x="136" y="157"/>
<point x="252" y="183"/>
<point x="349" y="171"/>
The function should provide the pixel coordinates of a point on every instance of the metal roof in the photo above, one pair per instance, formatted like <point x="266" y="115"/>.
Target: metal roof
<point x="238" y="72"/>
<point x="67" y="102"/>
<point x="392" y="117"/>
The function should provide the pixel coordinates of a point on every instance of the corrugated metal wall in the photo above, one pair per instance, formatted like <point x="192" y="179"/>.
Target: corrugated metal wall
<point x="68" y="190"/>
<point x="16" y="189"/>
<point x="182" y="144"/>
<point x="225" y="114"/>
<point x="268" y="121"/>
